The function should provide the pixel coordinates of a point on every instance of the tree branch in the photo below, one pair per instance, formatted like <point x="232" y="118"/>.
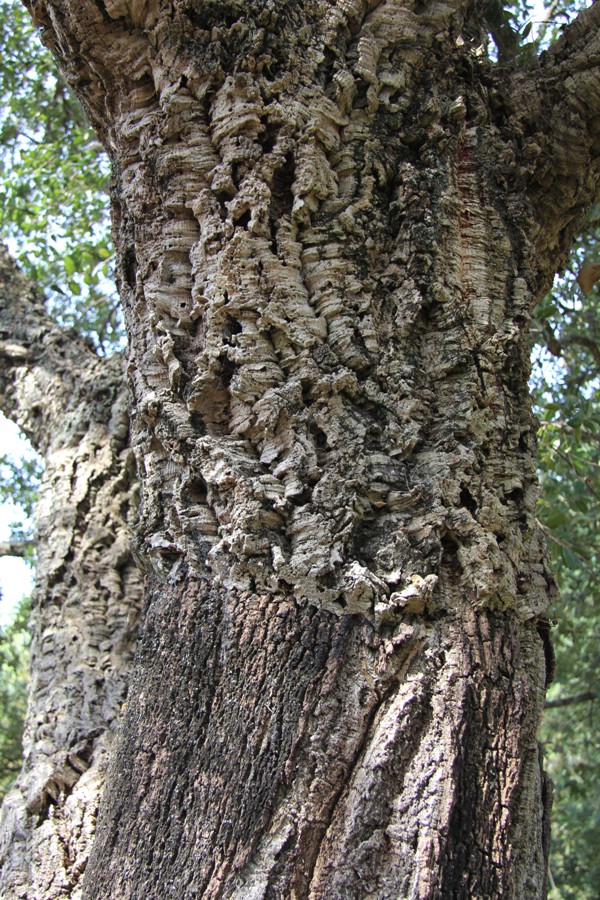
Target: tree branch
<point x="555" y="116"/>
<point x="561" y="542"/>
<point x="18" y="549"/>
<point x="73" y="405"/>
<point x="568" y="429"/>
<point x="40" y="363"/>
<point x="570" y="701"/>
<point x="557" y="345"/>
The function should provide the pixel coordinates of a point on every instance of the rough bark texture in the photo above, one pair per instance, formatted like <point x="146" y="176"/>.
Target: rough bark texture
<point x="72" y="406"/>
<point x="297" y="753"/>
<point x="333" y="220"/>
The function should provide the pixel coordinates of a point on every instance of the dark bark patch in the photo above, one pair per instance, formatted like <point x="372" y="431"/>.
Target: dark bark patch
<point x="129" y="267"/>
<point x="215" y="756"/>
<point x="543" y="629"/>
<point x="243" y="220"/>
<point x="197" y="490"/>
<point x="468" y="501"/>
<point x="282" y="196"/>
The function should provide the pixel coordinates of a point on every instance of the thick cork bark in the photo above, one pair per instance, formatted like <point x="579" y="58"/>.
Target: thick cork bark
<point x="333" y="221"/>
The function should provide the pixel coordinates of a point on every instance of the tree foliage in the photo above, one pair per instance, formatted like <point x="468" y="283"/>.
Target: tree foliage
<point x="53" y="210"/>
<point x="565" y="381"/>
<point x="19" y="483"/>
<point x="53" y="194"/>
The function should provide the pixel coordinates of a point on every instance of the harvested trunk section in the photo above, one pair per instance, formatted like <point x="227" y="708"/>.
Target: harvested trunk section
<point x="275" y="750"/>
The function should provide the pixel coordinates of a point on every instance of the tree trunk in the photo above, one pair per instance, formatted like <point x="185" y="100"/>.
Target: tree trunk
<point x="333" y="221"/>
<point x="72" y="406"/>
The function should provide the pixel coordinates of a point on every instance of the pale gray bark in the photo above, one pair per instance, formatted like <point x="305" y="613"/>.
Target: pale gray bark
<point x="72" y="406"/>
<point x="333" y="222"/>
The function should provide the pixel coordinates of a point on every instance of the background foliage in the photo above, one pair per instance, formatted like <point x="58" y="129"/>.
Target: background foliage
<point x="53" y="214"/>
<point x="566" y="376"/>
<point x="53" y="193"/>
<point x="19" y="482"/>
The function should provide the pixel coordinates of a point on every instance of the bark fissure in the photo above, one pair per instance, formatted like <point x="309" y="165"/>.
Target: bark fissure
<point x="309" y="885"/>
